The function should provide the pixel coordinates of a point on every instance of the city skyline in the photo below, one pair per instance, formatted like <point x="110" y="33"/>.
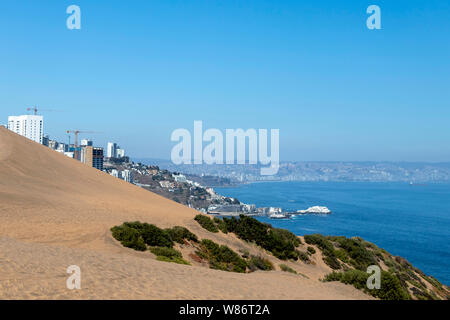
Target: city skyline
<point x="336" y="90"/>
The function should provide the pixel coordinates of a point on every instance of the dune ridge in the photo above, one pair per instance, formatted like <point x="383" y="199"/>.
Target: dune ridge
<point x="56" y="212"/>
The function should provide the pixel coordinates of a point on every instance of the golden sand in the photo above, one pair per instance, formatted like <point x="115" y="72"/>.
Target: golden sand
<point x="56" y="212"/>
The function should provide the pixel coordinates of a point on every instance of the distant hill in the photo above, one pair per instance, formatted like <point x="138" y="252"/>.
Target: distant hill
<point x="369" y="171"/>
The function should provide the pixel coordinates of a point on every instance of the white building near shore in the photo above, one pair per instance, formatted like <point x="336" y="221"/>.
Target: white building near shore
<point x="29" y="126"/>
<point x="111" y="150"/>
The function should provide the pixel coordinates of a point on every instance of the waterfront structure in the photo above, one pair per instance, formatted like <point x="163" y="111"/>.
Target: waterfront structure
<point x="225" y="209"/>
<point x="29" y="126"/>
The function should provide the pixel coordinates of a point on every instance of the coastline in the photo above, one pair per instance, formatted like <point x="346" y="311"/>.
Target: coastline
<point x="356" y="212"/>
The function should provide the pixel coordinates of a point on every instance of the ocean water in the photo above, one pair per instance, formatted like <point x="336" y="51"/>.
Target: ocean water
<point x="412" y="221"/>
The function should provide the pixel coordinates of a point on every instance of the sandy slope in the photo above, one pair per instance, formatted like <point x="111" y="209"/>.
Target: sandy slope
<point x="55" y="212"/>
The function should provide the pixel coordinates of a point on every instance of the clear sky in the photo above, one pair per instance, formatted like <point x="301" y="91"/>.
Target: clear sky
<point x="137" y="70"/>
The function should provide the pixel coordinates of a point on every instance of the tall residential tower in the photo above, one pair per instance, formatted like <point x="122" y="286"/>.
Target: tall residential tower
<point x="29" y="126"/>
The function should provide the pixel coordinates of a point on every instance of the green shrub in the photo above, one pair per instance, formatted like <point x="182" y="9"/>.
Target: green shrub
<point x="353" y="251"/>
<point x="319" y="240"/>
<point x="221" y="257"/>
<point x="303" y="256"/>
<point x="434" y="282"/>
<point x="281" y="243"/>
<point x="342" y="255"/>
<point x="174" y="260"/>
<point x="332" y="262"/>
<point x="357" y="278"/>
<point x="259" y="263"/>
<point x="168" y="255"/>
<point x="206" y="223"/>
<point x="129" y="237"/>
<point x="166" y="252"/>
<point x="154" y="236"/>
<point x="360" y="256"/>
<point x="179" y="234"/>
<point x="244" y="253"/>
<point x="137" y="235"/>
<point x="390" y="288"/>
<point x="221" y="225"/>
<point x="286" y="268"/>
<point x="311" y="250"/>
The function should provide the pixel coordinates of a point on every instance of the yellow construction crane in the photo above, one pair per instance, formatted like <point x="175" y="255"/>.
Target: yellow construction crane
<point x="35" y="109"/>
<point x="76" y="132"/>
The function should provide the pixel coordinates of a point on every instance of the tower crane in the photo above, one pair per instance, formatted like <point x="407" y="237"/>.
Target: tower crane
<point x="76" y="132"/>
<point x="35" y="110"/>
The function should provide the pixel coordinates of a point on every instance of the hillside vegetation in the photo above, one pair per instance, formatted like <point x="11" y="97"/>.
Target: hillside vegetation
<point x="347" y="259"/>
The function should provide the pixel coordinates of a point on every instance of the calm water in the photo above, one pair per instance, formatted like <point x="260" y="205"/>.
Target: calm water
<point x="409" y="221"/>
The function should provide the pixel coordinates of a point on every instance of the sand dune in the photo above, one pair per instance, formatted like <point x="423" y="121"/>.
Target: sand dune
<point x="56" y="212"/>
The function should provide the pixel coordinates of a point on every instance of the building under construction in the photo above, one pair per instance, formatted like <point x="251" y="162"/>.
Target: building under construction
<point x="92" y="156"/>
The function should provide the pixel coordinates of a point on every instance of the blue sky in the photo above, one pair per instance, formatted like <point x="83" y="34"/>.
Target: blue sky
<point x="137" y="70"/>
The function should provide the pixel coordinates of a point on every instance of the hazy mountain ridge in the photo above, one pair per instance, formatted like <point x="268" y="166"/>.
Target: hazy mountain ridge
<point x="415" y="172"/>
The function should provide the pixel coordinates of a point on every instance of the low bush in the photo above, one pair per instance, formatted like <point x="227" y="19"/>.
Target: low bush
<point x="286" y="268"/>
<point x="174" y="260"/>
<point x="332" y="262"/>
<point x="303" y="256"/>
<point x="154" y="236"/>
<point x="244" y="253"/>
<point x="129" y="237"/>
<point x="221" y="257"/>
<point x="221" y="225"/>
<point x="179" y="234"/>
<point x="311" y="250"/>
<point x="390" y="288"/>
<point x="356" y="250"/>
<point x="166" y="252"/>
<point x="259" y="263"/>
<point x="342" y="255"/>
<point x="281" y="243"/>
<point x="137" y="235"/>
<point x="357" y="278"/>
<point x="168" y="255"/>
<point x="329" y="256"/>
<point x="206" y="223"/>
<point x="319" y="240"/>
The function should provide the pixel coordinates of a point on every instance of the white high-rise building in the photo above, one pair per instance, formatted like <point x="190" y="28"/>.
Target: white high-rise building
<point x="127" y="175"/>
<point x="120" y="153"/>
<point x="86" y="143"/>
<point x="29" y="126"/>
<point x="111" y="150"/>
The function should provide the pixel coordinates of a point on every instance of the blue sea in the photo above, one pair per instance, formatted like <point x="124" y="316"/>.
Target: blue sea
<point x="412" y="221"/>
